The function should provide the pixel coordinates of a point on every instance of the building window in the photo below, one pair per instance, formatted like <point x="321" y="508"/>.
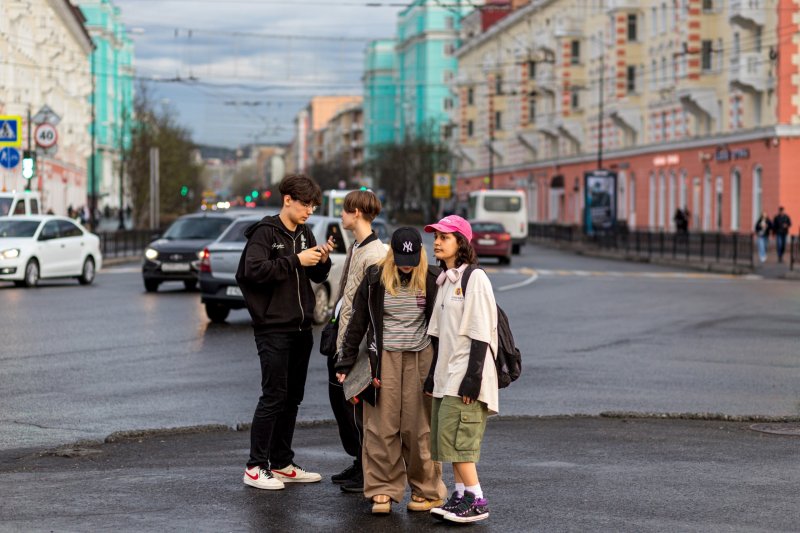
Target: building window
<point x="663" y="18"/>
<point x="532" y="107"/>
<point x="448" y="49"/>
<point x="575" y="99"/>
<point x="631" y="77"/>
<point x="449" y="23"/>
<point x="653" y="21"/>
<point x="498" y="84"/>
<point x="632" y="27"/>
<point x="575" y="52"/>
<point x="756" y="193"/>
<point x="498" y="120"/>
<point x="531" y="70"/>
<point x="705" y="55"/>
<point x="448" y="103"/>
<point x="708" y="6"/>
<point x="736" y="184"/>
<point x="448" y="76"/>
<point x="470" y="128"/>
<point x="470" y="96"/>
<point x="663" y="125"/>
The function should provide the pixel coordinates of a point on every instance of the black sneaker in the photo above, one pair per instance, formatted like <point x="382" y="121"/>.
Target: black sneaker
<point x="347" y="474"/>
<point x="355" y="484"/>
<point x="449" y="506"/>
<point x="469" y="510"/>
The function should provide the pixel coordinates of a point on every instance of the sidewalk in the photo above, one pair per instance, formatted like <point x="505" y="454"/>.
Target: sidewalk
<point x="539" y="474"/>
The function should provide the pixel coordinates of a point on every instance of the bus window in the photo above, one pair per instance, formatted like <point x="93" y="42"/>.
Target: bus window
<point x="502" y="204"/>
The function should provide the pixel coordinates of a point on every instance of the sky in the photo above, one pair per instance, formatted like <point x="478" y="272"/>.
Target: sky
<point x="247" y="66"/>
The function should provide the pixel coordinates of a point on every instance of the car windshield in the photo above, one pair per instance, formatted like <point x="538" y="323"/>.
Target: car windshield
<point x="205" y="228"/>
<point x="18" y="228"/>
<point x="5" y="206"/>
<point x="236" y="232"/>
<point x="487" y="227"/>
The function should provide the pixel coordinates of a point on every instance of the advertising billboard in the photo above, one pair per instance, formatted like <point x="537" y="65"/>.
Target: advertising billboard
<point x="600" y="201"/>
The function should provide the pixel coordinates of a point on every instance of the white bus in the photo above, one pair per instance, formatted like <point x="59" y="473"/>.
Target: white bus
<point x="333" y="202"/>
<point x="505" y="206"/>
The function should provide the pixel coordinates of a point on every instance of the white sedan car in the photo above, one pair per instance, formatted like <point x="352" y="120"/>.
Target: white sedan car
<point x="45" y="247"/>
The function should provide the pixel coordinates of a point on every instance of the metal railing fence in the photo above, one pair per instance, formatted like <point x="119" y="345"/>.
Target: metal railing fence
<point x="125" y="243"/>
<point x="733" y="248"/>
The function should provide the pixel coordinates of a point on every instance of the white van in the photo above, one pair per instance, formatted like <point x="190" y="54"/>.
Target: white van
<point x="20" y="203"/>
<point x="505" y="206"/>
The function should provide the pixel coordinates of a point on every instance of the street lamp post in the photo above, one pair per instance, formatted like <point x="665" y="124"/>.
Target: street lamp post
<point x="122" y="170"/>
<point x="92" y="176"/>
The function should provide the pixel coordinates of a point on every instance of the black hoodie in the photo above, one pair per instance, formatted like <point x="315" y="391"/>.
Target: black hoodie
<point x="276" y="288"/>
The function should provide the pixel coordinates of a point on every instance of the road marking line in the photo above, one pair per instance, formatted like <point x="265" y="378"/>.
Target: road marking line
<point x="533" y="277"/>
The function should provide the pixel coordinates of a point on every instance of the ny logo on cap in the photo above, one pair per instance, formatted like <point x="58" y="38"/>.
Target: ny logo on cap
<point x="408" y="246"/>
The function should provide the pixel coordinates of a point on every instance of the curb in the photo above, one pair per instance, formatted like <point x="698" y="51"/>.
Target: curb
<point x="115" y="261"/>
<point x="89" y="446"/>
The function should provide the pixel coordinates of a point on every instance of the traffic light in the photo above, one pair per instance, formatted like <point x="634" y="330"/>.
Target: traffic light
<point x="267" y="194"/>
<point x="248" y="199"/>
<point x="184" y="191"/>
<point x="28" y="164"/>
<point x="254" y="194"/>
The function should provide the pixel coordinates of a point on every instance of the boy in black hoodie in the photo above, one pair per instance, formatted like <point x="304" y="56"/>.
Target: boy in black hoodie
<point x="278" y="263"/>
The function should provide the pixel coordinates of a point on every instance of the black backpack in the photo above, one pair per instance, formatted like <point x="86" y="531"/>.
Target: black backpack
<point x="509" y="359"/>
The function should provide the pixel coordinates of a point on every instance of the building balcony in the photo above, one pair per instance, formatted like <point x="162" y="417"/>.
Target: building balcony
<point x="568" y="27"/>
<point x="747" y="12"/>
<point x="622" y="5"/>
<point x="751" y="71"/>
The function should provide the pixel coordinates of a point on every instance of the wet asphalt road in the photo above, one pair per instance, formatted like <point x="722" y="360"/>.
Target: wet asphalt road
<point x="541" y="475"/>
<point x="596" y="335"/>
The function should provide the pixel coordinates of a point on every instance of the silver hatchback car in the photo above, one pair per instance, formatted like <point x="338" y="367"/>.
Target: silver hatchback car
<point x="219" y="291"/>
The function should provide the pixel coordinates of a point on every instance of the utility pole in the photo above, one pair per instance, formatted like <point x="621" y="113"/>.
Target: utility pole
<point x="600" y="124"/>
<point x="122" y="171"/>
<point x="30" y="150"/>
<point x="92" y="177"/>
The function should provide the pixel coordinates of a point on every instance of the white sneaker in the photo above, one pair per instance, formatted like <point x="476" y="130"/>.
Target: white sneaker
<point x="295" y="474"/>
<point x="261" y="478"/>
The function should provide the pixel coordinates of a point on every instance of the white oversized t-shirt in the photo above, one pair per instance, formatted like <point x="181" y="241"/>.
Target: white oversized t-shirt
<point x="455" y="321"/>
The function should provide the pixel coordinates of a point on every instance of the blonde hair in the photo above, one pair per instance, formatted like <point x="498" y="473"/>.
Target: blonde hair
<point x="390" y="277"/>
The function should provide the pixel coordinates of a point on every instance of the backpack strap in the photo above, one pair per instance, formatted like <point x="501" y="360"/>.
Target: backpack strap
<point x="465" y="278"/>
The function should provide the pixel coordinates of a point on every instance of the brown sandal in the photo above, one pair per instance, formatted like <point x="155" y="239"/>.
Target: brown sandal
<point x="381" y="504"/>
<point x="418" y="503"/>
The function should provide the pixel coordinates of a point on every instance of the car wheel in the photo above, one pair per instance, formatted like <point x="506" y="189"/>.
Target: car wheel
<point x="322" y="310"/>
<point x="515" y="248"/>
<point x="32" y="273"/>
<point x="151" y="285"/>
<point x="87" y="273"/>
<point x="217" y="313"/>
<point x="190" y="284"/>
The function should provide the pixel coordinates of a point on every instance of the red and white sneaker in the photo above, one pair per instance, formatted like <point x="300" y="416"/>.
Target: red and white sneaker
<point x="295" y="474"/>
<point x="261" y="478"/>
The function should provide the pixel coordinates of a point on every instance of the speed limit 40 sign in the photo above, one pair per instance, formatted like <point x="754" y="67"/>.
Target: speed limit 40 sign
<point x="46" y="135"/>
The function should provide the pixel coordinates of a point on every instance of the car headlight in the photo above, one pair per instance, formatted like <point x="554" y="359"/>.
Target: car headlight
<point x="10" y="254"/>
<point x="200" y="255"/>
<point x="151" y="254"/>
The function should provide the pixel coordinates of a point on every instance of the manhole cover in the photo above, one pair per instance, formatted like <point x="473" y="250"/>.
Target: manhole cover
<point x="792" y="430"/>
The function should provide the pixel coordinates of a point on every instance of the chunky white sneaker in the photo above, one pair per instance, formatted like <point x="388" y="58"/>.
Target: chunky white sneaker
<point x="295" y="474"/>
<point x="261" y="478"/>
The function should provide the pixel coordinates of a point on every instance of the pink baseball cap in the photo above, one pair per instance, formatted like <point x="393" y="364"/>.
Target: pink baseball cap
<point x="451" y="224"/>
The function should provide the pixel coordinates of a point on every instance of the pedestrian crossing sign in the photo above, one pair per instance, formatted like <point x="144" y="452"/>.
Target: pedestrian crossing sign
<point x="10" y="130"/>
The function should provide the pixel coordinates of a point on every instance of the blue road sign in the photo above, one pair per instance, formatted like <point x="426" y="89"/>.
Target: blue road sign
<point x="9" y="157"/>
<point x="9" y="130"/>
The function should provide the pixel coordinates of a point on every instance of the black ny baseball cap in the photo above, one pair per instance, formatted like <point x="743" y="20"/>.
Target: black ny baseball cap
<point x="406" y="244"/>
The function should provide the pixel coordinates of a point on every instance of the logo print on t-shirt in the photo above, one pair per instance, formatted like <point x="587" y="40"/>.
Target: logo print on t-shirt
<point x="459" y="292"/>
<point x="408" y="247"/>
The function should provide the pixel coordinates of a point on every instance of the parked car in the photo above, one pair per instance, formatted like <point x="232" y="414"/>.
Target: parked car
<point x="175" y="256"/>
<point x="20" y="203"/>
<point x="490" y="239"/>
<point x="43" y="247"/>
<point x="219" y="291"/>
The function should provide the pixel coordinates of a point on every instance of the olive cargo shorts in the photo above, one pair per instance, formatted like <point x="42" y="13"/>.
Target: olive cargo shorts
<point x="457" y="430"/>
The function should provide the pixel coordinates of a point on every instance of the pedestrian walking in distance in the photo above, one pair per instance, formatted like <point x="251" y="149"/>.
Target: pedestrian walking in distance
<point x="781" y="225"/>
<point x="464" y="379"/>
<point x="392" y="307"/>
<point x="762" y="229"/>
<point x="278" y="263"/>
<point x="358" y="211"/>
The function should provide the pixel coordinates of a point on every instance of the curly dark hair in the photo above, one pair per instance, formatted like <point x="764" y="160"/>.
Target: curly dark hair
<point x="465" y="254"/>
